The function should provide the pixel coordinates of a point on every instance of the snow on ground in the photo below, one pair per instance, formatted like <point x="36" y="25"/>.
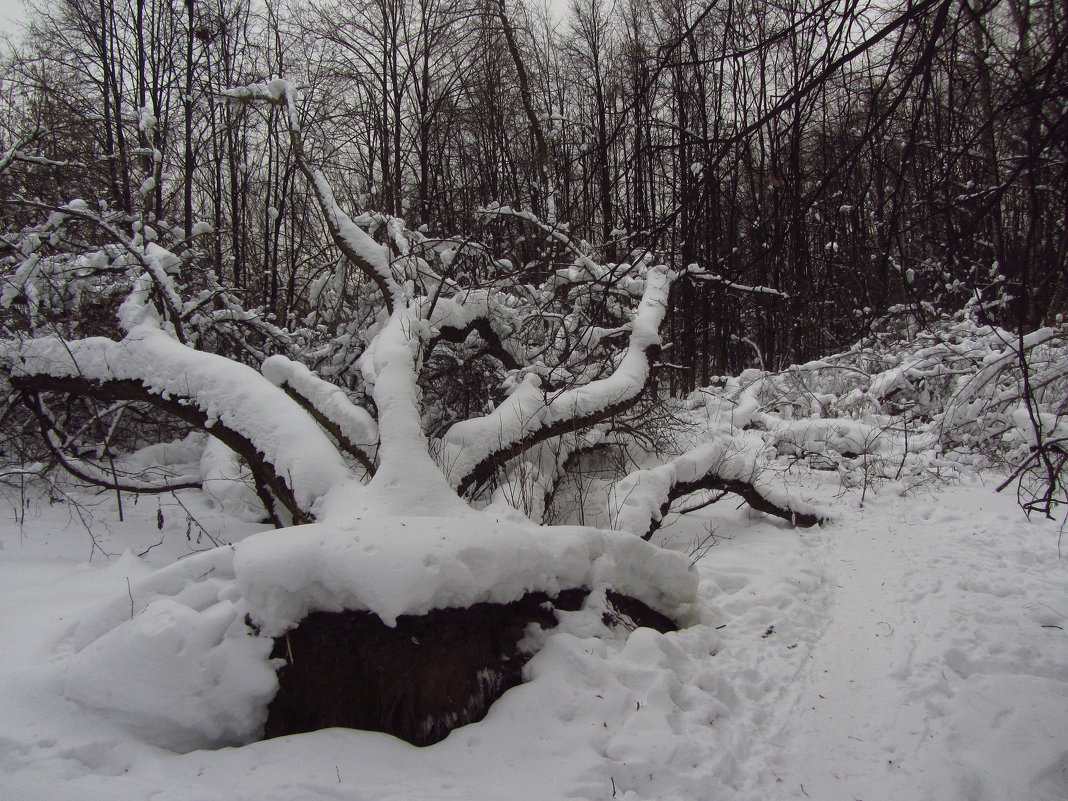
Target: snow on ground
<point x="913" y="649"/>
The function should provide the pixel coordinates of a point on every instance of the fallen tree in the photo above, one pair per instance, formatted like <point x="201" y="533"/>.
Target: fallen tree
<point x="403" y="498"/>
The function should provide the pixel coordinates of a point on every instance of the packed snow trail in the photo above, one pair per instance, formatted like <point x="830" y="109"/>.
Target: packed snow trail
<point x="943" y="671"/>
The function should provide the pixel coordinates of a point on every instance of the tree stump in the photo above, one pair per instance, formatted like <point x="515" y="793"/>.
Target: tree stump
<point x="427" y="676"/>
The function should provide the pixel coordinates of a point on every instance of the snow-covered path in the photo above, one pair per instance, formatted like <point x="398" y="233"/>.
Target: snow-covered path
<point x="841" y="727"/>
<point x="943" y="670"/>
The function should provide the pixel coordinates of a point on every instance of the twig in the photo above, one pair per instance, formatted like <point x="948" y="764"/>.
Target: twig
<point x="150" y="547"/>
<point x="192" y="517"/>
<point x="118" y="490"/>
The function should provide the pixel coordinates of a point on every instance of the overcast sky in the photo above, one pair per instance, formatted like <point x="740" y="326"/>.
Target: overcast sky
<point x="10" y="10"/>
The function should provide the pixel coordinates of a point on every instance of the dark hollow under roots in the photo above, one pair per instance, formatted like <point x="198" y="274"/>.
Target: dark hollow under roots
<point x="423" y="678"/>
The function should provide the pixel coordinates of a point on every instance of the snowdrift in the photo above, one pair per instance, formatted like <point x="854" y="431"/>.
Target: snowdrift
<point x="203" y="628"/>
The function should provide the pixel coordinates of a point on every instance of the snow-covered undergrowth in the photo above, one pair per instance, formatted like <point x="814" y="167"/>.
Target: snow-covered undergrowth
<point x="914" y="648"/>
<point x="912" y="406"/>
<point x="914" y="402"/>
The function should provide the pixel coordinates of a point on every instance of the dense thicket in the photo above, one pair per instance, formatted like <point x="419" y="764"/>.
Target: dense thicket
<point x="840" y="157"/>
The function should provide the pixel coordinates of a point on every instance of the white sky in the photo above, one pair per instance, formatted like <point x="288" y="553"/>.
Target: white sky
<point x="10" y="11"/>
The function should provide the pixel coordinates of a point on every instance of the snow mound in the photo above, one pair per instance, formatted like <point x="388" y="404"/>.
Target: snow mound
<point x="179" y="678"/>
<point x="176" y="661"/>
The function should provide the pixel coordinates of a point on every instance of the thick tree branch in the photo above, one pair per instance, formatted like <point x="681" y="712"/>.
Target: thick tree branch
<point x="349" y="424"/>
<point x="333" y="429"/>
<point x="263" y="471"/>
<point x="726" y="464"/>
<point x="484" y="328"/>
<point x="484" y="470"/>
<point x="748" y="492"/>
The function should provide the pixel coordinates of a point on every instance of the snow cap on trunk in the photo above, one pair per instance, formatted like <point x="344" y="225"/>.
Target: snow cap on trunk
<point x="396" y="566"/>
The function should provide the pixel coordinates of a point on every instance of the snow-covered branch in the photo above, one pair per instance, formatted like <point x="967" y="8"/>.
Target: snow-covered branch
<point x="353" y="428"/>
<point x="359" y="248"/>
<point x="474" y="449"/>
<point x="701" y="274"/>
<point x="287" y="452"/>
<point x="407" y="477"/>
<point x="475" y="311"/>
<point x="728" y="463"/>
<point x="557" y="232"/>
